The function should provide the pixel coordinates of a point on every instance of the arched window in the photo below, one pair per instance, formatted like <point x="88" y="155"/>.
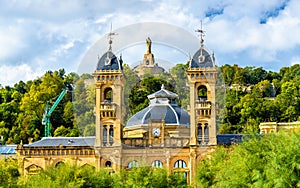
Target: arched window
<point x="59" y="164"/>
<point x="157" y="164"/>
<point x="133" y="164"/>
<point x="108" y="95"/>
<point x="206" y="133"/>
<point x="202" y="93"/>
<point x="108" y="164"/>
<point x="199" y="132"/>
<point x="111" y="135"/>
<point x="104" y="135"/>
<point x="180" y="164"/>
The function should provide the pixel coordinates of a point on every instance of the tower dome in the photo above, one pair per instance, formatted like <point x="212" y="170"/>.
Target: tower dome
<point x="163" y="107"/>
<point x="109" y="61"/>
<point x="202" y="58"/>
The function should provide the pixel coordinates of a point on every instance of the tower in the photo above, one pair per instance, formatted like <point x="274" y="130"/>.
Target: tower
<point x="109" y="79"/>
<point x="202" y="75"/>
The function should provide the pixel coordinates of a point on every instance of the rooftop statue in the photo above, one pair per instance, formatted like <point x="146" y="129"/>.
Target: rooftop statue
<point x="148" y="42"/>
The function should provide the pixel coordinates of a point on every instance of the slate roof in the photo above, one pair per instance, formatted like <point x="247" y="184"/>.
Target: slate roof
<point x="64" y="141"/>
<point x="114" y="64"/>
<point x="208" y="60"/>
<point x="163" y="106"/>
<point x="7" y="149"/>
<point x="163" y="93"/>
<point x="228" y="139"/>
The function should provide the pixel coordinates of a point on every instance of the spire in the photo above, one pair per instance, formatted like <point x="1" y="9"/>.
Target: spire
<point x="201" y="31"/>
<point x="110" y="34"/>
<point x="162" y="86"/>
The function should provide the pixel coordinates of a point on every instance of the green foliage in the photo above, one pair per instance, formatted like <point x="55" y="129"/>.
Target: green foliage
<point x="149" y="177"/>
<point x="8" y="172"/>
<point x="250" y="95"/>
<point x="66" y="175"/>
<point x="179" y="80"/>
<point x="84" y="102"/>
<point x="209" y="167"/>
<point x="268" y="161"/>
<point x="138" y="96"/>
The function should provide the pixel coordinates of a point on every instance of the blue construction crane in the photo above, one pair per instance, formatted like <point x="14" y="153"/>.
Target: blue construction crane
<point x="48" y="112"/>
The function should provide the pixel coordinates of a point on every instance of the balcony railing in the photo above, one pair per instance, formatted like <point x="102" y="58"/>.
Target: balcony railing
<point x="201" y="104"/>
<point x="107" y="109"/>
<point x="203" y="140"/>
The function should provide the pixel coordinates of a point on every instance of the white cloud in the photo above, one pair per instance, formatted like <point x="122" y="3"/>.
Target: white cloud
<point x="51" y="34"/>
<point x="295" y="60"/>
<point x="9" y="75"/>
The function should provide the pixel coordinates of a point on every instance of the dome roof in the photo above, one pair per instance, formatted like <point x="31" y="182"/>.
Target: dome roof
<point x="163" y="93"/>
<point x="109" y="61"/>
<point x="202" y="58"/>
<point x="162" y="107"/>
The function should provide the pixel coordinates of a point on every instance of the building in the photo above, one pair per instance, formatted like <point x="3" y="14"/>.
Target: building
<point x="162" y="134"/>
<point x="269" y="127"/>
<point x="7" y="151"/>
<point x="148" y="64"/>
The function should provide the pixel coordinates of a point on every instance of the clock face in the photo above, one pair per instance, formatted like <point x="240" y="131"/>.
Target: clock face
<point x="156" y="131"/>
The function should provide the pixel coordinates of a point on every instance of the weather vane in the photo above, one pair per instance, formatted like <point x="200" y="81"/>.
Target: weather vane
<point x="201" y="31"/>
<point x="110" y="34"/>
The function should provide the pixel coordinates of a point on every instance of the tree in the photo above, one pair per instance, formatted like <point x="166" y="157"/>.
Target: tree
<point x="268" y="161"/>
<point x="138" y="95"/>
<point x="179" y="77"/>
<point x="8" y="172"/>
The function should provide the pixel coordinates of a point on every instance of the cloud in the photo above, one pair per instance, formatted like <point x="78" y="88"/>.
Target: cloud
<point x="295" y="60"/>
<point x="51" y="34"/>
<point x="9" y="75"/>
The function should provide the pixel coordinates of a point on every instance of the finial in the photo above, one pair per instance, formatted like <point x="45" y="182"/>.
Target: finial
<point x="162" y="86"/>
<point x="110" y="34"/>
<point x="201" y="31"/>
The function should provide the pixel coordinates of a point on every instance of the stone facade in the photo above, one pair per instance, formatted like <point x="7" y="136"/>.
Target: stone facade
<point x="163" y="134"/>
<point x="269" y="127"/>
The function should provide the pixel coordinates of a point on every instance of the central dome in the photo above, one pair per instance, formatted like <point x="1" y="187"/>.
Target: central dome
<point x="162" y="107"/>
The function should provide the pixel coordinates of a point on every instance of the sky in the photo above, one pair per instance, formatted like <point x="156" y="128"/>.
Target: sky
<point x="41" y="35"/>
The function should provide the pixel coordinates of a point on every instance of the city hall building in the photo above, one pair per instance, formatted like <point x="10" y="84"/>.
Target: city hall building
<point x="160" y="135"/>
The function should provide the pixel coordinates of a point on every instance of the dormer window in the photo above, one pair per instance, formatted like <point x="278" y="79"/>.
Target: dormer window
<point x="201" y="58"/>
<point x="107" y="61"/>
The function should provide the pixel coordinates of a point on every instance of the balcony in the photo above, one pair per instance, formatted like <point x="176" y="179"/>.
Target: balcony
<point x="203" y="139"/>
<point x="201" y="104"/>
<point x="107" y="109"/>
<point x="203" y="108"/>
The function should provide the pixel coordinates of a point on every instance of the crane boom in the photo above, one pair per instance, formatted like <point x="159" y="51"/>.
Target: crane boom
<point x="48" y="112"/>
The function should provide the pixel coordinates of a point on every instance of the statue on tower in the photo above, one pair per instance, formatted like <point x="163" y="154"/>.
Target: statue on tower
<point x="148" y="42"/>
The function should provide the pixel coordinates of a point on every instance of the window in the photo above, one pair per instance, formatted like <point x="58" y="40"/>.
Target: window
<point x="199" y="126"/>
<point x="202" y="93"/>
<point x="111" y="135"/>
<point x="157" y="164"/>
<point x="108" y="164"/>
<point x="133" y="164"/>
<point x="104" y="135"/>
<point x="206" y="133"/>
<point x="108" y="95"/>
<point x="180" y="164"/>
<point x="59" y="164"/>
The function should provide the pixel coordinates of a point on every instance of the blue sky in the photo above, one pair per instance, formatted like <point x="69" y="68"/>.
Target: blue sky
<point x="41" y="35"/>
